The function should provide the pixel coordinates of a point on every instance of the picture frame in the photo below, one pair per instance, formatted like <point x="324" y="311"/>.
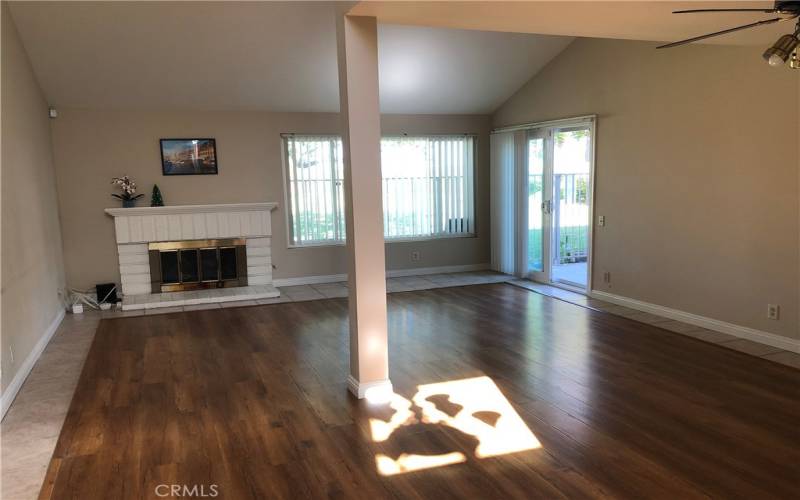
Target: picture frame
<point x="189" y="156"/>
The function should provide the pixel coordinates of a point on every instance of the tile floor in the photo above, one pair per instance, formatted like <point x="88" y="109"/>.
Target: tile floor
<point x="30" y="428"/>
<point x="172" y="300"/>
<point x="301" y="293"/>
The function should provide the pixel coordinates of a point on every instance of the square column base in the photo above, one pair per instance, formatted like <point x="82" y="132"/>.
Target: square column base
<point x="378" y="390"/>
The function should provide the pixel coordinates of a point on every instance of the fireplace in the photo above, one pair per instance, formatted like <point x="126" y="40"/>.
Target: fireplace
<point x="197" y="264"/>
<point x="183" y="249"/>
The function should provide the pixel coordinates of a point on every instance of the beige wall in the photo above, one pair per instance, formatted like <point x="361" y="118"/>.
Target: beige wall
<point x="697" y="173"/>
<point x="93" y="146"/>
<point x="32" y="266"/>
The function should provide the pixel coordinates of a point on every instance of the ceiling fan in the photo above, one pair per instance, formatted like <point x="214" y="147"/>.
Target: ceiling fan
<point x="781" y="51"/>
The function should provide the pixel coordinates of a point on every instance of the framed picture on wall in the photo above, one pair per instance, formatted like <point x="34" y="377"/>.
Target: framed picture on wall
<point x="188" y="156"/>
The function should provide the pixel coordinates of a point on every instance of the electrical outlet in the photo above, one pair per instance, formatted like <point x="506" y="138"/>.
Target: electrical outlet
<point x="415" y="256"/>
<point x="607" y="277"/>
<point x="773" y="311"/>
<point x="601" y="221"/>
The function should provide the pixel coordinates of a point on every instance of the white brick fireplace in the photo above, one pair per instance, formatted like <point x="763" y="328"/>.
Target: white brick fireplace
<point x="136" y="228"/>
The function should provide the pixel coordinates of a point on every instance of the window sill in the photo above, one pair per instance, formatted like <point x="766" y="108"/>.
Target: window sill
<point x="318" y="245"/>
<point x="387" y="241"/>
<point x="412" y="239"/>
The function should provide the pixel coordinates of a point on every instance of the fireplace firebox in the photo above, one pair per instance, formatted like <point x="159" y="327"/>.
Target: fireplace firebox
<point x="197" y="264"/>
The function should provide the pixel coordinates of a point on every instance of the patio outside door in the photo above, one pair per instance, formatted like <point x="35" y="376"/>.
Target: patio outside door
<point x="559" y="175"/>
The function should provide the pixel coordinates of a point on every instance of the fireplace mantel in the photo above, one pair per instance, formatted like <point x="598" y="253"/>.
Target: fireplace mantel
<point x="191" y="209"/>
<point x="191" y="222"/>
<point x="135" y="228"/>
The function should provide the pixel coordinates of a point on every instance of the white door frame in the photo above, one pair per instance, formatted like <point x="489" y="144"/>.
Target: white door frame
<point x="590" y="244"/>
<point x="547" y="129"/>
<point x="542" y="276"/>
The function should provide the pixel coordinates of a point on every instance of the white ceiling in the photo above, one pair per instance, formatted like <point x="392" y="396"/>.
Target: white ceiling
<point x="434" y="70"/>
<point x="263" y="56"/>
<point x="627" y="20"/>
<point x="281" y="56"/>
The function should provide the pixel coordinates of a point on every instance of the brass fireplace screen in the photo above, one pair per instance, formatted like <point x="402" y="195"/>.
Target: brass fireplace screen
<point x="197" y="264"/>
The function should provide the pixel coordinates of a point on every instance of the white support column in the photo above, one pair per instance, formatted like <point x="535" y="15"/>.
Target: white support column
<point x="357" y="40"/>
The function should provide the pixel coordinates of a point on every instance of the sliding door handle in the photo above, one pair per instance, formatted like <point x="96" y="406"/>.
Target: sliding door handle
<point x="547" y="206"/>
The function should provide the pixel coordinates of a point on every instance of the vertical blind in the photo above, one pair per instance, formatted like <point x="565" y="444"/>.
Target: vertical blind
<point x="428" y="187"/>
<point x="503" y="196"/>
<point x="314" y="176"/>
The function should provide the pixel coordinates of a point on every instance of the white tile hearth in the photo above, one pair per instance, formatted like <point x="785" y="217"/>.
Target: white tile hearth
<point x="198" y="297"/>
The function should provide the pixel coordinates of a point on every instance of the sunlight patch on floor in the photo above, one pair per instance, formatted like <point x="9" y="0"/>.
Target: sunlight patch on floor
<point x="411" y="462"/>
<point x="473" y="408"/>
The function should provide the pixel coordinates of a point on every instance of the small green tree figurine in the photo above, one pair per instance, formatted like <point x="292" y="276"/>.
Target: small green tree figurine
<point x="156" y="200"/>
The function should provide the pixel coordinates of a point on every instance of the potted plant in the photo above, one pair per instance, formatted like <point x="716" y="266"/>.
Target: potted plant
<point x="128" y="188"/>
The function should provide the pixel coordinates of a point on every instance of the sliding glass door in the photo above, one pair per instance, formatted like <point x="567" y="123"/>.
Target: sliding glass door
<point x="570" y="221"/>
<point x="559" y="175"/>
<point x="537" y="209"/>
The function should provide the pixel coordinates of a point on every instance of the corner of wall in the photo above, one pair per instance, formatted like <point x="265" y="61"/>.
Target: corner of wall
<point x="31" y="288"/>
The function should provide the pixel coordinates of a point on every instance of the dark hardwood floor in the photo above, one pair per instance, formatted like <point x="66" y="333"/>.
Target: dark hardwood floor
<point x="254" y="401"/>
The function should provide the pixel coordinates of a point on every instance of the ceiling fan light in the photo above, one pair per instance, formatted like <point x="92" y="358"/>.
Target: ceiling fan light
<point x="774" y="59"/>
<point x="781" y="50"/>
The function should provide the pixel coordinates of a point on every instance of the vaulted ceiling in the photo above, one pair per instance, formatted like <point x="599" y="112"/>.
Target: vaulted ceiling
<point x="435" y="57"/>
<point x="273" y="56"/>
<point x="651" y="20"/>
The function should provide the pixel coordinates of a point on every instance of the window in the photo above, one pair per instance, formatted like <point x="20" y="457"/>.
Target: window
<point x="428" y="188"/>
<point x="315" y="191"/>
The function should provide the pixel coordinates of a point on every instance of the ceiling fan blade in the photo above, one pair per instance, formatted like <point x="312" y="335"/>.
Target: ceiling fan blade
<point x="694" y="11"/>
<point x="723" y="32"/>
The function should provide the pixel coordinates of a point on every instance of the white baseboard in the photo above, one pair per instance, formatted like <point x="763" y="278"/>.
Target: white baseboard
<point x="419" y="271"/>
<point x="743" y="332"/>
<point x="25" y="368"/>
<point x="422" y="271"/>
<point x="381" y="388"/>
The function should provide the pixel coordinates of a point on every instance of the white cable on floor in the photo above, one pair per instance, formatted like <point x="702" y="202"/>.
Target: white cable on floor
<point x="77" y="296"/>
